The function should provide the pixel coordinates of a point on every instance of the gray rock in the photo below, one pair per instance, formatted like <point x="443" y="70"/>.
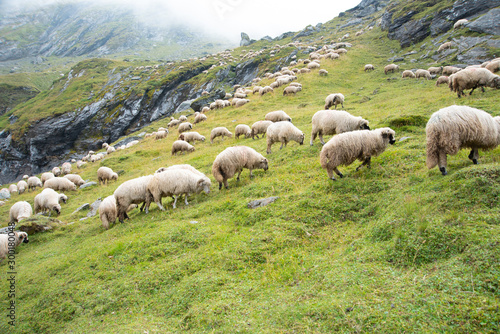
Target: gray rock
<point x="474" y="56"/>
<point x="94" y="207"/>
<point x="85" y="206"/>
<point x="261" y="202"/>
<point x="245" y="39"/>
<point x="184" y="106"/>
<point x="403" y="138"/>
<point x="489" y="23"/>
<point x="88" y="184"/>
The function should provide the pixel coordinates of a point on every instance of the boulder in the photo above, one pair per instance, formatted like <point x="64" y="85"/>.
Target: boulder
<point x="261" y="202"/>
<point x="488" y="23"/>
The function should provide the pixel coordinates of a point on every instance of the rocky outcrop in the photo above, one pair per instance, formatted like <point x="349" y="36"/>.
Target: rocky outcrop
<point x="488" y="24"/>
<point x="245" y="40"/>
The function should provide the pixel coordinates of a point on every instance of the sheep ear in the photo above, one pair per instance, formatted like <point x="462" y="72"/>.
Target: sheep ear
<point x="384" y="135"/>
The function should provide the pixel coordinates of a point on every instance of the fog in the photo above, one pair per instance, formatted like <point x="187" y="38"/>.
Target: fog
<point x="226" y="18"/>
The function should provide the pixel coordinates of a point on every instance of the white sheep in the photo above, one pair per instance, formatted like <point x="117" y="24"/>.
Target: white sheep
<point x="56" y="171"/>
<point x="200" y="118"/>
<point x="473" y="78"/>
<point x="183" y="127"/>
<point x="219" y="132"/>
<point x="173" y="122"/>
<point x="435" y="70"/>
<point x="191" y="137"/>
<point x="369" y="67"/>
<point x="460" y="23"/>
<point x="420" y="73"/>
<point x="391" y="68"/>
<point x="48" y="200"/>
<point x="80" y="163"/>
<point x="111" y="149"/>
<point x="108" y="211"/>
<point x="105" y="174"/>
<point x="34" y="182"/>
<point x="242" y="129"/>
<point x="291" y="90"/>
<point x="233" y="159"/>
<point x="277" y="116"/>
<point x="408" y="74"/>
<point x="493" y="66"/>
<point x="19" y="211"/>
<point x="445" y="46"/>
<point x="283" y="132"/>
<point x="11" y="240"/>
<point x="75" y="178"/>
<point x="181" y="146"/>
<point x="334" y="100"/>
<point x="330" y="122"/>
<point x="442" y="80"/>
<point x="13" y="188"/>
<point x="452" y="128"/>
<point x="265" y="90"/>
<point x="22" y="186"/>
<point x="161" y="135"/>
<point x="449" y="70"/>
<point x="66" y="168"/>
<point x="241" y="102"/>
<point x="348" y="147"/>
<point x="59" y="183"/>
<point x="182" y="118"/>
<point x="260" y="127"/>
<point x="133" y="191"/>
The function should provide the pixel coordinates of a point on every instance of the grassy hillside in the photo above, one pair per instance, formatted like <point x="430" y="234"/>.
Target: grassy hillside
<point x="394" y="248"/>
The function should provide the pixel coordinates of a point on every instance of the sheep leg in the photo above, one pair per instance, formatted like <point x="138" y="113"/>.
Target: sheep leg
<point x="238" y="178"/>
<point x="225" y="184"/>
<point x="474" y="155"/>
<point x="251" y="174"/>
<point x="220" y="185"/>
<point x="313" y="136"/>
<point x="366" y="162"/>
<point x="186" y="199"/>
<point x="158" y="203"/>
<point x="336" y="170"/>
<point x="442" y="162"/>
<point x="268" y="148"/>
<point x="472" y="90"/>
<point x="175" y="201"/>
<point x="321" y="139"/>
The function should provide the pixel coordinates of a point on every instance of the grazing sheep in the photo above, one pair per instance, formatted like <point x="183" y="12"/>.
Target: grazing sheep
<point x="313" y="65"/>
<point x="19" y="211"/>
<point x="435" y="70"/>
<point x="80" y="163"/>
<point x="25" y="177"/>
<point x="242" y="129"/>
<point x="205" y="109"/>
<point x="46" y="176"/>
<point x="291" y="90"/>
<point x="348" y="147"/>
<point x="241" y="102"/>
<point x="183" y="127"/>
<point x="423" y="74"/>
<point x="48" y="200"/>
<point x="330" y="122"/>
<point x="449" y="70"/>
<point x="391" y="68"/>
<point x="75" y="178"/>
<point x="265" y="90"/>
<point x="104" y="174"/>
<point x="34" y="182"/>
<point x="108" y="211"/>
<point x="334" y="99"/>
<point x="191" y="137"/>
<point x="283" y="132"/>
<point x="277" y="116"/>
<point x="442" y="79"/>
<point x="181" y="146"/>
<point x="59" y="183"/>
<point x="260" y="127"/>
<point x="66" y="168"/>
<point x="133" y="191"/>
<point x="11" y="240"/>
<point x="473" y="78"/>
<point x="233" y="159"/>
<point x="182" y="118"/>
<point x="369" y="67"/>
<point x="13" y="188"/>
<point x="111" y="149"/>
<point x="460" y="23"/>
<point x="173" y="122"/>
<point x="493" y="66"/>
<point x="21" y="186"/>
<point x="56" y="171"/>
<point x="2" y="203"/>
<point x="452" y="128"/>
<point x="175" y="182"/>
<point x="200" y="118"/>
<point x="408" y="74"/>
<point x="219" y="132"/>
<point x="161" y="135"/>
<point x="445" y="46"/>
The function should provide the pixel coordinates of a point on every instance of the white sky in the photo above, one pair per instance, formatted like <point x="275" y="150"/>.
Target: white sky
<point x="229" y="18"/>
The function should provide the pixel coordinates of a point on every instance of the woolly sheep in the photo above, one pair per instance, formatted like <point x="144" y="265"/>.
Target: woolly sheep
<point x="277" y="116"/>
<point x="182" y="118"/>
<point x="291" y="90"/>
<point x="420" y="73"/>
<point x="66" y="168"/>
<point x="200" y="118"/>
<point x="330" y="122"/>
<point x="75" y="178"/>
<point x="9" y="241"/>
<point x="130" y="144"/>
<point x="435" y="70"/>
<point x="348" y="147"/>
<point x="260" y="127"/>
<point x="233" y="159"/>
<point x="13" y="188"/>
<point x="445" y="46"/>
<point x="408" y="74"/>
<point x="22" y="186"/>
<point x="48" y="200"/>
<point x="108" y="211"/>
<point x="493" y="66"/>
<point x="2" y="203"/>
<point x="219" y="132"/>
<point x="205" y="109"/>
<point x="59" y="183"/>
<point x="161" y="135"/>
<point x="19" y="211"/>
<point x="183" y="127"/>
<point x="56" y="171"/>
<point x="449" y="70"/>
<point x="241" y="102"/>
<point x="313" y="65"/>
<point x="473" y="78"/>
<point x="34" y="182"/>
<point x="452" y="128"/>
<point x="175" y="182"/>
<point x="111" y="149"/>
<point x="369" y="67"/>
<point x="191" y="137"/>
<point x="25" y="177"/>
<point x="460" y="23"/>
<point x="441" y="80"/>
<point x="173" y="122"/>
<point x="133" y="191"/>
<point x="334" y="99"/>
<point x="80" y="163"/>
<point x="242" y="129"/>
<point x="181" y="146"/>
<point x="283" y="132"/>
<point x="265" y="90"/>
<point x="391" y="68"/>
<point x="105" y="174"/>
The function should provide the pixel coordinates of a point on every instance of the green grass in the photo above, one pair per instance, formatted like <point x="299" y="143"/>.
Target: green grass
<point x="395" y="248"/>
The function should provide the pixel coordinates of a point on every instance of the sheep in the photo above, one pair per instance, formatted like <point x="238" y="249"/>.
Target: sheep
<point x="19" y="211"/>
<point x="191" y="137"/>
<point x="449" y="70"/>
<point x="219" y="132"/>
<point x="21" y="186"/>
<point x="11" y="240"/>
<point x="13" y="188"/>
<point x="233" y="159"/>
<point x="334" y="99"/>
<point x="493" y="66"/>
<point x="291" y="90"/>
<point x="80" y="163"/>
<point x="241" y="102"/>
<point x="181" y="146"/>
<point x="277" y="116"/>
<point x="423" y="74"/>
<point x="108" y="211"/>
<point x="182" y="118"/>
<point x="435" y="70"/>
<point x="75" y="178"/>
<point x="34" y="182"/>
<point x="104" y="145"/>
<point x="48" y="200"/>
<point x="242" y="129"/>
<point x="460" y="23"/>
<point x="313" y="65"/>
<point x="473" y="78"/>
<point x="445" y="46"/>
<point x="452" y="128"/>
<point x="283" y="132"/>
<point x="2" y="203"/>
<point x="56" y="171"/>
<point x="59" y="183"/>
<point x="200" y="118"/>
<point x="66" y="168"/>
<point x="408" y="74"/>
<point x="104" y="174"/>
<point x="330" y="122"/>
<point x="130" y="144"/>
<point x="161" y="135"/>
<point x="442" y="79"/>
<point x="183" y="127"/>
<point x="369" y="67"/>
<point x="205" y="109"/>
<point x="173" y="122"/>
<point x="391" y="68"/>
<point x="260" y="127"/>
<point x="348" y="147"/>
<point x="175" y="182"/>
<point x="25" y="177"/>
<point x="133" y="191"/>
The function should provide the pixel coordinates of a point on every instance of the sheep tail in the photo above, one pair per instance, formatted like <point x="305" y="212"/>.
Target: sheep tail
<point x="218" y="173"/>
<point x="432" y="151"/>
<point x="323" y="159"/>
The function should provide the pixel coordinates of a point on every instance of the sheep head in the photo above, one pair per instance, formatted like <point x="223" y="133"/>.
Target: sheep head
<point x="388" y="134"/>
<point x="114" y="176"/>
<point x="363" y="124"/>
<point x="57" y="209"/>
<point x="23" y="237"/>
<point x="204" y="184"/>
<point x="495" y="83"/>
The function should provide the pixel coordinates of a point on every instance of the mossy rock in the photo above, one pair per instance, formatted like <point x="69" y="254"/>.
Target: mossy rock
<point x="408" y="120"/>
<point x="38" y="224"/>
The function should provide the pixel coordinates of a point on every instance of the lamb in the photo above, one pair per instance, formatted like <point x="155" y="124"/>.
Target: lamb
<point x="181" y="146"/>
<point x="59" y="183"/>
<point x="445" y="46"/>
<point x="408" y="74"/>
<point x="242" y="129"/>
<point x="460" y="23"/>
<point x="186" y="126"/>
<point x="34" y="182"/>
<point x="473" y="78"/>
<point x="191" y="137"/>
<point x="391" y="68"/>
<point x="330" y="122"/>
<point x="48" y="200"/>
<point x="435" y="70"/>
<point x="75" y="178"/>
<point x="9" y="241"/>
<point x="133" y="191"/>
<point x="108" y="211"/>
<point x="277" y="116"/>
<point x="334" y="99"/>
<point x="161" y="135"/>
<point x="219" y="132"/>
<point x="56" y="171"/>
<point x="200" y="118"/>
<point x="423" y="74"/>
<point x="283" y="132"/>
<point x="291" y="90"/>
<point x="369" y="67"/>
<point x="19" y="211"/>
<point x="260" y="127"/>
<point x="348" y="147"/>
<point x="233" y="159"/>
<point x="452" y="128"/>
<point x="66" y="168"/>
<point x="175" y="182"/>
<point x="104" y="174"/>
<point x="21" y="186"/>
<point x="13" y="188"/>
<point x="442" y="79"/>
